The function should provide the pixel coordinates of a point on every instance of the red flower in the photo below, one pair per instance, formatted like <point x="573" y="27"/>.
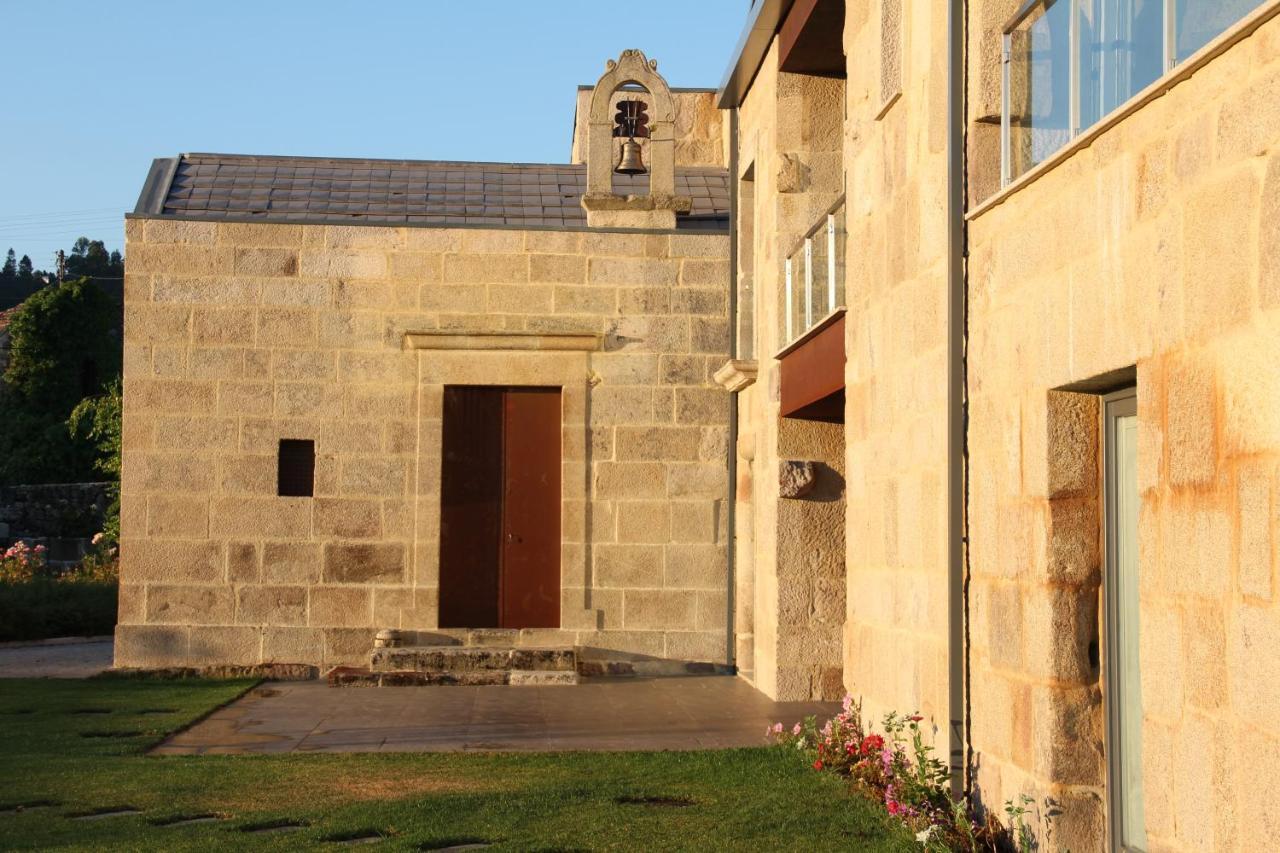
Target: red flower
<point x="915" y="718"/>
<point x="817" y="765"/>
<point x="871" y="743"/>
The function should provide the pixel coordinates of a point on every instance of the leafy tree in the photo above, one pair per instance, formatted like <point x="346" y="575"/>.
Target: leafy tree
<point x="98" y="420"/>
<point x="91" y="258"/>
<point x="62" y="349"/>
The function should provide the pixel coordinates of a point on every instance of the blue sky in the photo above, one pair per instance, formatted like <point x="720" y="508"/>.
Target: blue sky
<point x="94" y="90"/>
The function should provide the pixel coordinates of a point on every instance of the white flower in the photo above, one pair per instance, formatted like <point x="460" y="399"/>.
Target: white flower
<point x="924" y="835"/>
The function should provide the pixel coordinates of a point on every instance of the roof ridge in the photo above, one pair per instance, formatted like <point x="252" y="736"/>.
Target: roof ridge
<point x="390" y="161"/>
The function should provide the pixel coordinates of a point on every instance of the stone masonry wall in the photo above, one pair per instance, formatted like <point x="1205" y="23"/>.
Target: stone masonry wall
<point x="790" y="137"/>
<point x="238" y="335"/>
<point x="895" y="649"/>
<point x="1156" y="246"/>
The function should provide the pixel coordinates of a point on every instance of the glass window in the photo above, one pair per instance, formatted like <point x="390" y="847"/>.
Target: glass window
<point x="1121" y="52"/>
<point x="1198" y="22"/>
<point x="1038" y="116"/>
<point x="1068" y="63"/>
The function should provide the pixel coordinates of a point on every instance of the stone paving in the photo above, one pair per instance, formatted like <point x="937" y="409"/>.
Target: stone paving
<point x="72" y="658"/>
<point x="711" y="712"/>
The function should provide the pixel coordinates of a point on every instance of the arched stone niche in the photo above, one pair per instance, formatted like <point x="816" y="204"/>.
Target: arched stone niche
<point x="604" y="207"/>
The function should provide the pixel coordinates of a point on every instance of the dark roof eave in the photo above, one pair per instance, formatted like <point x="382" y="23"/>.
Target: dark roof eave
<point x="748" y="56"/>
<point x="721" y="231"/>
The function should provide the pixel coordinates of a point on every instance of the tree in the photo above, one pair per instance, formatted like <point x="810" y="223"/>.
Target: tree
<point x="25" y="271"/>
<point x="62" y="349"/>
<point x="97" y="419"/>
<point x="91" y="258"/>
<point x="10" y="270"/>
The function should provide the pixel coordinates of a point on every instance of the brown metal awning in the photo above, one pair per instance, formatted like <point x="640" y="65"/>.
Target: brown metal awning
<point x="813" y="373"/>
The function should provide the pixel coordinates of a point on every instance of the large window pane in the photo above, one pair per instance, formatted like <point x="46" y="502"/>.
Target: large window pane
<point x="1039" y="88"/>
<point x="1198" y="22"/>
<point x="1121" y="52"/>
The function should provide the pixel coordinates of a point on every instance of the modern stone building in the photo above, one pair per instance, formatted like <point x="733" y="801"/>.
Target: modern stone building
<point x="366" y="394"/>
<point x="1007" y="273"/>
<point x="939" y="367"/>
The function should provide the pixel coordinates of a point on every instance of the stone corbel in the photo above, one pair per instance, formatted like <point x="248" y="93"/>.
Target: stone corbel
<point x="737" y="374"/>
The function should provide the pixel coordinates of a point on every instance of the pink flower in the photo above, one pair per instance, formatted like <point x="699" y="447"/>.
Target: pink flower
<point x="796" y="729"/>
<point x="777" y="728"/>
<point x="40" y="549"/>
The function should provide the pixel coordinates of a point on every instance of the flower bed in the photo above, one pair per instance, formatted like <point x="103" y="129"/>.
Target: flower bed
<point x="37" y="602"/>
<point x="896" y="767"/>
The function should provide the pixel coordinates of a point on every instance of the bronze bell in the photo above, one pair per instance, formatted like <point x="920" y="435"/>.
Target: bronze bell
<point x="631" y="162"/>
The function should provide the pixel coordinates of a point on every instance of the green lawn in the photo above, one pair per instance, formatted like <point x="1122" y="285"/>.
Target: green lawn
<point x="53" y="748"/>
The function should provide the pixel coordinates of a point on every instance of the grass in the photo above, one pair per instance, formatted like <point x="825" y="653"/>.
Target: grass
<point x="79" y="748"/>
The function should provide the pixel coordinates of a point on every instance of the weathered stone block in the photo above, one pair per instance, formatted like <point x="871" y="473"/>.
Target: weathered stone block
<point x="151" y="645"/>
<point x="643" y="521"/>
<point x="275" y="517"/>
<point x="291" y="562"/>
<point x="178" y="516"/>
<point x="649" y="272"/>
<point x="346" y="518"/>
<point x="625" y="566"/>
<point x="169" y="231"/>
<point x="364" y="563"/>
<point x="218" y="645"/>
<point x="659" y="609"/>
<point x="336" y="263"/>
<point x="170" y="560"/>
<point x="657" y="444"/>
<point x="292" y="645"/>
<point x="271" y="605"/>
<point x="242" y="562"/>
<point x="558" y="269"/>
<point x="287" y="327"/>
<point x="341" y="607"/>
<point x="630" y="480"/>
<point x="486" y="269"/>
<point x="222" y="326"/>
<point x="266" y="262"/>
<point x="189" y="605"/>
<point x="695" y="567"/>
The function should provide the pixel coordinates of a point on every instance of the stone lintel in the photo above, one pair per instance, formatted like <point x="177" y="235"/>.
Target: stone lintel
<point x="567" y="341"/>
<point x="737" y="374"/>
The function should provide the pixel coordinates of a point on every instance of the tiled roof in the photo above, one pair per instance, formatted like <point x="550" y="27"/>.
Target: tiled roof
<point x="289" y="189"/>
<point x="6" y="317"/>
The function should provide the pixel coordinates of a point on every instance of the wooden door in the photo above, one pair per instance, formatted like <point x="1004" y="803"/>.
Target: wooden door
<point x="500" y="508"/>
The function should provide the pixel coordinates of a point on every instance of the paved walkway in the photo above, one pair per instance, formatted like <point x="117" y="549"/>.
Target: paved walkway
<point x="78" y="658"/>
<point x="711" y="712"/>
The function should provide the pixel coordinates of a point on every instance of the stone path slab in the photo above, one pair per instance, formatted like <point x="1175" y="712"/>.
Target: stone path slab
<point x="75" y="658"/>
<point x="711" y="712"/>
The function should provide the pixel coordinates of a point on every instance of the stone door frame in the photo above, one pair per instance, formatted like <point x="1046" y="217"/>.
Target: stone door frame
<point x="505" y="359"/>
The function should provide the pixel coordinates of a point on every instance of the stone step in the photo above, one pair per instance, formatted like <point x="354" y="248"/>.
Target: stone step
<point x="350" y="676"/>
<point x="472" y="659"/>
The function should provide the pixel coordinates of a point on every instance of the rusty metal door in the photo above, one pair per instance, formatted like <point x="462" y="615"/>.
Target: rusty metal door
<point x="500" y="508"/>
<point x="531" y="508"/>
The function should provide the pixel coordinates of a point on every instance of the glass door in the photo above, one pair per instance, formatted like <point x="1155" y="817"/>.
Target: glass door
<point x="1120" y="594"/>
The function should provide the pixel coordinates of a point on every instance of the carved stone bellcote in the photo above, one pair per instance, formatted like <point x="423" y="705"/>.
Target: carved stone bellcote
<point x="606" y="208"/>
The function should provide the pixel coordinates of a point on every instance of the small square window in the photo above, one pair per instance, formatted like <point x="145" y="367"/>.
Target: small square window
<point x="296" y="470"/>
